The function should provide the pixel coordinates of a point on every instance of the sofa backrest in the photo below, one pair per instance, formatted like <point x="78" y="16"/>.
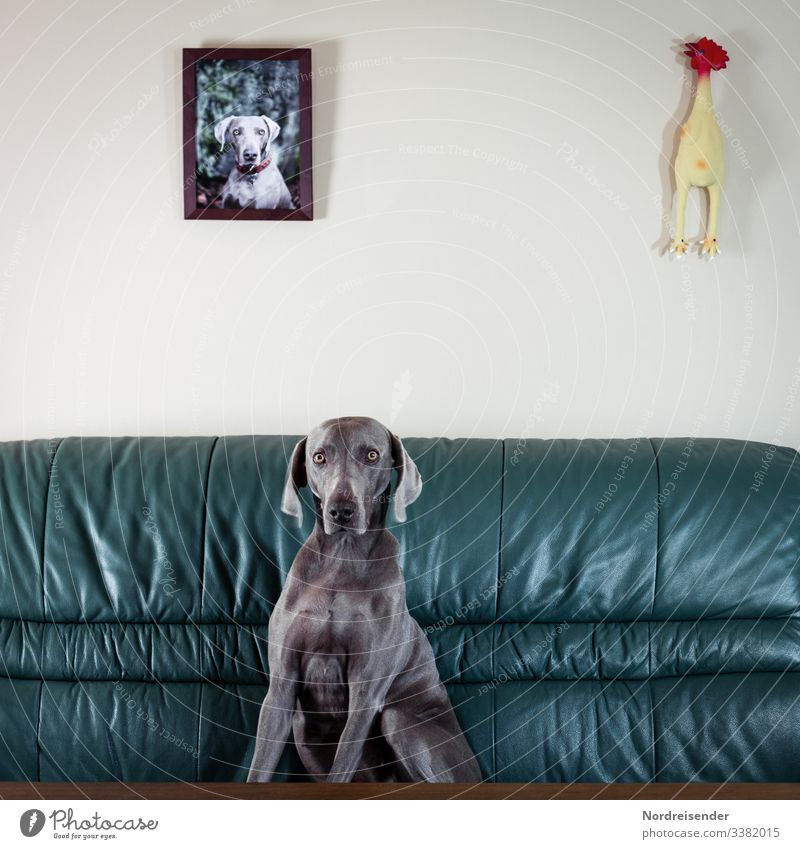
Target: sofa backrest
<point x="601" y="610"/>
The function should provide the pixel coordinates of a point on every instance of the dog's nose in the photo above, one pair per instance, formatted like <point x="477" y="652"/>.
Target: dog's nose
<point x="249" y="157"/>
<point x="341" y="512"/>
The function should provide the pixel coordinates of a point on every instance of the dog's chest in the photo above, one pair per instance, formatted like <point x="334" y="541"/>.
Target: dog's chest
<point x="253" y="189"/>
<point x="323" y="687"/>
<point x="327" y="622"/>
<point x="343" y="618"/>
<point x="325" y="644"/>
<point x="335" y="624"/>
<point x="246" y="188"/>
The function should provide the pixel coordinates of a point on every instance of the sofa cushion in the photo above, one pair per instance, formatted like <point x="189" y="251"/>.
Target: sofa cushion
<point x="600" y="610"/>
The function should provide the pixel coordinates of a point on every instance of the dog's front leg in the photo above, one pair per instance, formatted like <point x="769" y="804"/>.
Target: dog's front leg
<point x="366" y="699"/>
<point x="364" y="704"/>
<point x="274" y="725"/>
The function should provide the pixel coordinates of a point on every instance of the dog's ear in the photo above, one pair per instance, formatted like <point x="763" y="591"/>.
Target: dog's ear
<point x="221" y="128"/>
<point x="273" y="129"/>
<point x="295" y="480"/>
<point x="409" y="483"/>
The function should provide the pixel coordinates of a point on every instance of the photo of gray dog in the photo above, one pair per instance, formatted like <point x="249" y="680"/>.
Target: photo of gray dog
<point x="247" y="134"/>
<point x="351" y="672"/>
<point x="255" y="179"/>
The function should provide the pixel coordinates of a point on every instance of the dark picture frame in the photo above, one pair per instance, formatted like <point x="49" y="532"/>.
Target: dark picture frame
<point x="288" y="103"/>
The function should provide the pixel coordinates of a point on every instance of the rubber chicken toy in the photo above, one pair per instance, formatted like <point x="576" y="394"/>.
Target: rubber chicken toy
<point x="700" y="160"/>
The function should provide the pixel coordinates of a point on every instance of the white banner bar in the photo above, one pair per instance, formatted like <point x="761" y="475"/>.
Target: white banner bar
<point x="593" y="824"/>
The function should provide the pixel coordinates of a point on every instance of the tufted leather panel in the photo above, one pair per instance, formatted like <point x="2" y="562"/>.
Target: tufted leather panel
<point x="600" y="610"/>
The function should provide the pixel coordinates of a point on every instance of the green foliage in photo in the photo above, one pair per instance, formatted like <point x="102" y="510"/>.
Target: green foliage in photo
<point x="242" y="87"/>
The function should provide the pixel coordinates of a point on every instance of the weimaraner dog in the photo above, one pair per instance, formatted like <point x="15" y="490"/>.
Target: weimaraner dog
<point x="254" y="180"/>
<point x="350" y="670"/>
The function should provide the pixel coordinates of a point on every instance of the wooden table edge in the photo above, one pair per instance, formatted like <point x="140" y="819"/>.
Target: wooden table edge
<point x="308" y="791"/>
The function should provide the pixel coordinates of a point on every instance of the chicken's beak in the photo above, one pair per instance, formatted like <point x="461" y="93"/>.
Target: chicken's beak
<point x="692" y="49"/>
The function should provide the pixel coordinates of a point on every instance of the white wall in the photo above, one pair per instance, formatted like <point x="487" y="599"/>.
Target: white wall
<point x="489" y="284"/>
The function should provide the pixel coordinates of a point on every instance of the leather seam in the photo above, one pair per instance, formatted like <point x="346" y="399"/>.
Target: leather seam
<point x="159" y="682"/>
<point x="652" y="609"/>
<point x="438" y="626"/>
<point x="199" y="715"/>
<point x="658" y="526"/>
<point x="652" y="727"/>
<point x="38" y="729"/>
<point x="203" y="597"/>
<point x="205" y="527"/>
<point x="50" y="466"/>
<point x="497" y="602"/>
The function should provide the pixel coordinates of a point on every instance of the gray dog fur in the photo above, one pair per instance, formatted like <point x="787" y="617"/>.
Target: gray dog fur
<point x="251" y="137"/>
<point x="350" y="670"/>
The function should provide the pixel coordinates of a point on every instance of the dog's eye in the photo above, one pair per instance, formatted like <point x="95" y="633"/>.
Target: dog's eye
<point x="261" y="132"/>
<point x="372" y="456"/>
<point x="237" y="132"/>
<point x="318" y="458"/>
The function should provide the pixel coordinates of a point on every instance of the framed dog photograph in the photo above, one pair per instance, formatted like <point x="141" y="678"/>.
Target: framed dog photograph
<point x="247" y="133"/>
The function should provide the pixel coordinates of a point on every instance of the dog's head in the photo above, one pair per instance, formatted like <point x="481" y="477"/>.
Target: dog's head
<point x="347" y="463"/>
<point x="249" y="135"/>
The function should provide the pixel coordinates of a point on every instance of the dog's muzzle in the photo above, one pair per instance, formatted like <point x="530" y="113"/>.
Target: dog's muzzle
<point x="339" y="516"/>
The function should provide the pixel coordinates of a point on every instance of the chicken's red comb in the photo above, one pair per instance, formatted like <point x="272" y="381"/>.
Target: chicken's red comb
<point x="709" y="51"/>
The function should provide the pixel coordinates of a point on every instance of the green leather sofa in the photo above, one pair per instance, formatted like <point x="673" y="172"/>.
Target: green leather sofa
<point x="601" y="610"/>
